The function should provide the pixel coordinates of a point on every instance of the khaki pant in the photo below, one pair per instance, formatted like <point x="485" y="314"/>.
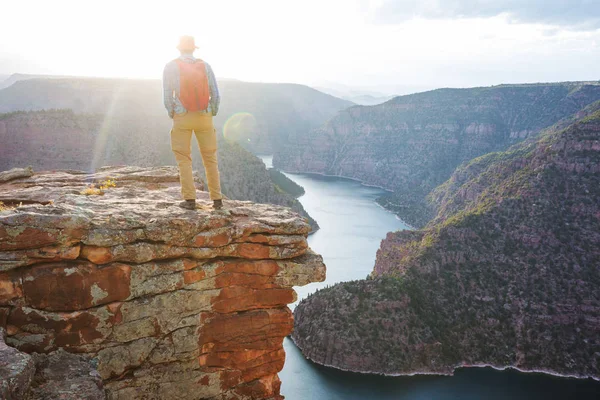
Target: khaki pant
<point x="181" y="139"/>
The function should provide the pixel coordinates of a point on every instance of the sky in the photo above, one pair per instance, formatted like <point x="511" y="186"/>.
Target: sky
<point x="383" y="45"/>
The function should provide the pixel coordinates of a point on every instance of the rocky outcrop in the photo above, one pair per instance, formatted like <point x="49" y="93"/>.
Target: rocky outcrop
<point x="171" y="303"/>
<point x="15" y="173"/>
<point x="411" y="144"/>
<point x="506" y="275"/>
<point x="62" y="139"/>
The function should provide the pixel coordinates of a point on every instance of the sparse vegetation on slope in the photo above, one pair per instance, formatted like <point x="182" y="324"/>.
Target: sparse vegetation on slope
<point x="286" y="184"/>
<point x="507" y="274"/>
<point x="411" y="144"/>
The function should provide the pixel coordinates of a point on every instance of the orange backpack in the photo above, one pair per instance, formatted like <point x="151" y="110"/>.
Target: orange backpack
<point x="193" y="85"/>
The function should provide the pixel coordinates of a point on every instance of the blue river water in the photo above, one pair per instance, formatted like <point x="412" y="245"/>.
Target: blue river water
<point x="352" y="227"/>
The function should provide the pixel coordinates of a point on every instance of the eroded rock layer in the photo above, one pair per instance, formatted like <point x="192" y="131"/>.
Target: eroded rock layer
<point x="173" y="304"/>
<point x="506" y="275"/>
<point x="411" y="144"/>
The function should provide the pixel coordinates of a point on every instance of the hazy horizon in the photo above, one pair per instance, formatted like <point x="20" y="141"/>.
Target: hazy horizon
<point x="373" y="45"/>
<point x="328" y="87"/>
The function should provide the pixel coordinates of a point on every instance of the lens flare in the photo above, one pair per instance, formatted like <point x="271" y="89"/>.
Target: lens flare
<point x="102" y="148"/>
<point x="241" y="127"/>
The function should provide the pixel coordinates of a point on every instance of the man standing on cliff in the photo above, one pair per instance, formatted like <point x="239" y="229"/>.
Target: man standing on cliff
<point x="191" y="98"/>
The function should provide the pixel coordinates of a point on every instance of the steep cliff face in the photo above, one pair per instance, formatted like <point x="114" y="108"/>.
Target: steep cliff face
<point x="261" y="115"/>
<point x="62" y="139"/>
<point x="173" y="304"/>
<point x="411" y="144"/>
<point x="506" y="275"/>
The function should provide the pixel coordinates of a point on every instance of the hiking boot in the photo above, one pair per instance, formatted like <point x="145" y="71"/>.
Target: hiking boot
<point x="188" y="204"/>
<point x="218" y="204"/>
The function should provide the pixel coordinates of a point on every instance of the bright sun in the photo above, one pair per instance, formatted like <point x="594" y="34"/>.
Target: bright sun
<point x="136" y="38"/>
<point x="309" y="41"/>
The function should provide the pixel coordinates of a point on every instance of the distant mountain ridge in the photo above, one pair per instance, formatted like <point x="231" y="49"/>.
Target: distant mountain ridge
<point x="371" y="94"/>
<point x="8" y="80"/>
<point x="506" y="275"/>
<point x="411" y="144"/>
<point x="360" y="97"/>
<point x="261" y="115"/>
<point x="123" y="121"/>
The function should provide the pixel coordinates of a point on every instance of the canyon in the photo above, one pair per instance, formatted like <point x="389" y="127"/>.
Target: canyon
<point x="505" y="275"/>
<point x="411" y="144"/>
<point x="171" y="303"/>
<point x="501" y="272"/>
<point x="82" y="123"/>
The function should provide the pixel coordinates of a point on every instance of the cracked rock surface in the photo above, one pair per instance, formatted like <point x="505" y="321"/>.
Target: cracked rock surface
<point x="171" y="303"/>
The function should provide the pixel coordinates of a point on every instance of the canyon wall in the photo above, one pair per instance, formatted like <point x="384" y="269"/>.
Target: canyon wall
<point x="506" y="275"/>
<point x="411" y="144"/>
<point x="171" y="303"/>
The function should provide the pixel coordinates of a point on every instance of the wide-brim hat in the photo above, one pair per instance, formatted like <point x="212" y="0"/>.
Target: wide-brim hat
<point x="187" y="43"/>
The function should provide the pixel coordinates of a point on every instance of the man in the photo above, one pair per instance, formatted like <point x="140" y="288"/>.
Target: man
<point x="191" y="98"/>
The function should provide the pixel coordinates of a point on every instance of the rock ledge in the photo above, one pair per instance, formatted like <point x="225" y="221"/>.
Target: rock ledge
<point x="173" y="304"/>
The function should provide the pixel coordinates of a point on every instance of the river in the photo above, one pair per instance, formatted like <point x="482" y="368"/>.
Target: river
<point x="352" y="227"/>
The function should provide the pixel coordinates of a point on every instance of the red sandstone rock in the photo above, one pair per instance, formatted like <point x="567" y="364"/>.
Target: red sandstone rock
<point x="75" y="286"/>
<point x="173" y="304"/>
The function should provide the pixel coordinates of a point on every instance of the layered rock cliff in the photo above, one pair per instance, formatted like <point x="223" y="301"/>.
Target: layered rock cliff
<point x="411" y="144"/>
<point x="62" y="139"/>
<point x="171" y="303"/>
<point x="507" y="274"/>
